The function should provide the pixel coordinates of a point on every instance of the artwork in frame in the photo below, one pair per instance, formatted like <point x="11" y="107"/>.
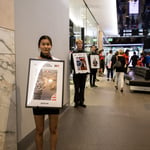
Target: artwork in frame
<point x="81" y="63"/>
<point x="45" y="83"/>
<point x="94" y="62"/>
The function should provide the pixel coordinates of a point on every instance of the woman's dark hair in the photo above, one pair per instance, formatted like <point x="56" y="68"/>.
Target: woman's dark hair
<point x="43" y="37"/>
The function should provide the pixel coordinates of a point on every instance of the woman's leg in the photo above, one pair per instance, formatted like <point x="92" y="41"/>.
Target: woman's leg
<point x="121" y="80"/>
<point x="116" y="80"/>
<point x="53" y="127"/>
<point x="114" y="74"/>
<point x="39" y="123"/>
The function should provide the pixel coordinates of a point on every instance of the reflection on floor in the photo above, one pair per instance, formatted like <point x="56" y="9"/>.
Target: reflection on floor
<point x="111" y="121"/>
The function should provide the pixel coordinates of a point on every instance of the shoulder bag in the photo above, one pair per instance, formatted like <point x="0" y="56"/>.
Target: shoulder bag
<point x="117" y="63"/>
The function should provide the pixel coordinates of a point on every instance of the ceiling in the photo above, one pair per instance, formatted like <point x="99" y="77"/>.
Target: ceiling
<point x="119" y="17"/>
<point x="110" y="17"/>
<point x="105" y="13"/>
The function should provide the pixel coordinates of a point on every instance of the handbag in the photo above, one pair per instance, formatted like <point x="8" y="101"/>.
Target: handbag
<point x="117" y="63"/>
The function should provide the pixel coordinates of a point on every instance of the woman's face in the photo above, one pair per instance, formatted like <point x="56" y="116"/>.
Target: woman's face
<point x="45" y="46"/>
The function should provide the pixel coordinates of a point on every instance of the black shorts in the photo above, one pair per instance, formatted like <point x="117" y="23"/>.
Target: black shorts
<point x="44" y="111"/>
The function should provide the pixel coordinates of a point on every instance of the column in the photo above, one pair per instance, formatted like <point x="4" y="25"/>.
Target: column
<point x="7" y="77"/>
<point x="100" y="40"/>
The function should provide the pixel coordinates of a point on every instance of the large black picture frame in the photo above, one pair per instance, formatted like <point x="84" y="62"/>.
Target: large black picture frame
<point x="45" y="83"/>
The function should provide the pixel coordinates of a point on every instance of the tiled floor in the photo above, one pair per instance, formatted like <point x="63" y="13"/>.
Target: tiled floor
<point x="111" y="121"/>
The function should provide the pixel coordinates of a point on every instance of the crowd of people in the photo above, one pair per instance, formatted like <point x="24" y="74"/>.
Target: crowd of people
<point x="116" y="65"/>
<point x="113" y="65"/>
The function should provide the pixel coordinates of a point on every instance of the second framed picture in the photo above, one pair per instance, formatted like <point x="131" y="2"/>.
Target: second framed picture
<point x="81" y="63"/>
<point x="94" y="62"/>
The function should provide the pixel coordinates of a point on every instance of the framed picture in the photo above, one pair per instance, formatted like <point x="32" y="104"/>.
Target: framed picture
<point x="45" y="83"/>
<point x="94" y="62"/>
<point x="81" y="63"/>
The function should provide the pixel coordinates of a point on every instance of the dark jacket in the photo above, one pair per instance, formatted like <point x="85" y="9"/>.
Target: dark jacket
<point x="122" y="60"/>
<point x="113" y="60"/>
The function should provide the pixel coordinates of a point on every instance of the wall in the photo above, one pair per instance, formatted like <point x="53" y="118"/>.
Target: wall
<point x="32" y="19"/>
<point x="7" y="14"/>
<point x="7" y="77"/>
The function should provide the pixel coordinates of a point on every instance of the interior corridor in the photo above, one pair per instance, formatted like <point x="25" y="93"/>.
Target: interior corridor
<point x="111" y="121"/>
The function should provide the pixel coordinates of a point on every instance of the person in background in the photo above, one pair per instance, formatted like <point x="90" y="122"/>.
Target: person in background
<point x="147" y="60"/>
<point x="93" y="71"/>
<point x="140" y="61"/>
<point x="113" y="60"/>
<point x="97" y="52"/>
<point x="78" y="79"/>
<point x="102" y="63"/>
<point x="120" y="71"/>
<point x="108" y="65"/>
<point x="126" y="56"/>
<point x="134" y="59"/>
<point x="45" y="45"/>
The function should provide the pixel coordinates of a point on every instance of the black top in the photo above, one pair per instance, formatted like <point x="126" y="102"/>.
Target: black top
<point x="134" y="59"/>
<point x="122" y="60"/>
<point x="113" y="60"/>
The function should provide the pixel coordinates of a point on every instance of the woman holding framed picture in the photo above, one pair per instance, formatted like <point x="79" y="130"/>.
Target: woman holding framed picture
<point x="45" y="45"/>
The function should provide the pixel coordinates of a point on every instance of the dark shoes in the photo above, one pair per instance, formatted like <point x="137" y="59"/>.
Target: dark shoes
<point x="94" y="86"/>
<point x="82" y="105"/>
<point x="116" y="87"/>
<point x="97" y="80"/>
<point x="121" y="90"/>
<point x="76" y="105"/>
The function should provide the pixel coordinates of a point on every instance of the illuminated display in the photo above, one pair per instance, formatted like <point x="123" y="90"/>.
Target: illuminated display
<point x="133" y="6"/>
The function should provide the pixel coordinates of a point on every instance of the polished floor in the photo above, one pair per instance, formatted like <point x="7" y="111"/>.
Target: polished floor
<point x="111" y="121"/>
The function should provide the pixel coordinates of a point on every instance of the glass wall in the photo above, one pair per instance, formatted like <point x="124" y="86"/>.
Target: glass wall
<point x="82" y="25"/>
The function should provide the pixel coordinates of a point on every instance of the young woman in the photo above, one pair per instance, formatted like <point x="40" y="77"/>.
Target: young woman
<point x="120" y="71"/>
<point x="45" y="45"/>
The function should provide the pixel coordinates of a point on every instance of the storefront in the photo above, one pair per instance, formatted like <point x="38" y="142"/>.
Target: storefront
<point x="82" y="25"/>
